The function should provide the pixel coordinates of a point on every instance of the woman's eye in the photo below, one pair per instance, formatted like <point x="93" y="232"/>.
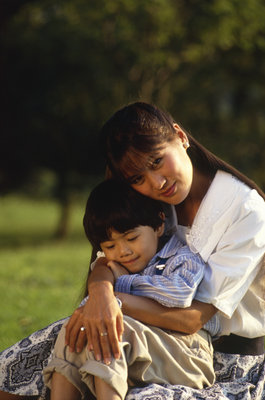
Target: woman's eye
<point x="137" y="180"/>
<point x="156" y="162"/>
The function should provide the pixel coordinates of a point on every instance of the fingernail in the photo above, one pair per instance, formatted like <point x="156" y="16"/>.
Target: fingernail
<point x="107" y="361"/>
<point x="98" y="358"/>
<point x="117" y="356"/>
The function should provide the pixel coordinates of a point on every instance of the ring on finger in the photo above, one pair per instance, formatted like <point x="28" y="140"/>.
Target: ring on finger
<point x="82" y="329"/>
<point x="103" y="333"/>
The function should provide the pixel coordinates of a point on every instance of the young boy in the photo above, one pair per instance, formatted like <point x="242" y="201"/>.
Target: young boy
<point x="128" y="227"/>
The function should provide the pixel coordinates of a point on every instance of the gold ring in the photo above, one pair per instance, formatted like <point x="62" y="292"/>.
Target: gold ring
<point x="103" y="333"/>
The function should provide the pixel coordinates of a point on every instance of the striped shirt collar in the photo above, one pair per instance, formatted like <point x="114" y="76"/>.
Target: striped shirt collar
<point x="169" y="249"/>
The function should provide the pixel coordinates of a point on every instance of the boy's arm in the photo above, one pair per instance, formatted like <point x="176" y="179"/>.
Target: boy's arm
<point x="175" y="288"/>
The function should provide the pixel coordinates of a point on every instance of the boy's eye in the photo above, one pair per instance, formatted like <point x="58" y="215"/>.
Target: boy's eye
<point x="108" y="246"/>
<point x="130" y="239"/>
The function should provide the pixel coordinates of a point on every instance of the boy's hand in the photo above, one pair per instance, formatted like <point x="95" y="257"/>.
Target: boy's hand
<point x="117" y="269"/>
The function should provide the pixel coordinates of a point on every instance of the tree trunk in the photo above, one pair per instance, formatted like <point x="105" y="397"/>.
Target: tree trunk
<point x="63" y="224"/>
<point x="63" y="197"/>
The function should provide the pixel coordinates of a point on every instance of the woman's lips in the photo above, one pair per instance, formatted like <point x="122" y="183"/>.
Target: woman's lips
<point x="170" y="191"/>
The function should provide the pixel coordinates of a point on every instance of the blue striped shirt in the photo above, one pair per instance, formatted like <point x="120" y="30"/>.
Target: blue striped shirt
<point x="176" y="286"/>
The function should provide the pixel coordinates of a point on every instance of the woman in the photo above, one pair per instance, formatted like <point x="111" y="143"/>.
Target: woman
<point x="221" y="215"/>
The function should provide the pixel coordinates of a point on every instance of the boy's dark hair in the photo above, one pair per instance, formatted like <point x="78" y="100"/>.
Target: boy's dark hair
<point x="115" y="205"/>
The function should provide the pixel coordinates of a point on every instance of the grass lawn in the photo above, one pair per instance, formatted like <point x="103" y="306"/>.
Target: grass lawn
<point x="41" y="280"/>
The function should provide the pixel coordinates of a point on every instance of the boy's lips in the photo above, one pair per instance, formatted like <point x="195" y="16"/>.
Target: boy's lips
<point x="130" y="261"/>
<point x="170" y="191"/>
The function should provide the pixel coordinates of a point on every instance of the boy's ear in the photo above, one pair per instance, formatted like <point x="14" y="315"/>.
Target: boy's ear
<point x="161" y="228"/>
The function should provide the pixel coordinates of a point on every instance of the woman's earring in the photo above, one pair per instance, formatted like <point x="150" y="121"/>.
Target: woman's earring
<point x="186" y="145"/>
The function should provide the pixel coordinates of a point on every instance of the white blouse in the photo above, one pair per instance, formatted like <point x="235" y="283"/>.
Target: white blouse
<point x="229" y="234"/>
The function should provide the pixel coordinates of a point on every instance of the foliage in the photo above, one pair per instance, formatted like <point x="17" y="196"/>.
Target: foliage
<point x="68" y="64"/>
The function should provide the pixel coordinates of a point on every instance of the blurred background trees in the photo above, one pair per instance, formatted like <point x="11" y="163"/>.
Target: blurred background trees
<point x="67" y="65"/>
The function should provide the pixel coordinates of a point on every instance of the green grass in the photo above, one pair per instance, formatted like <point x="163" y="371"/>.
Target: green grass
<point x="41" y="280"/>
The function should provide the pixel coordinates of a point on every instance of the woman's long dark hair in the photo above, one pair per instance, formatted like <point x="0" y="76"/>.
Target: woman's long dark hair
<point x="138" y="127"/>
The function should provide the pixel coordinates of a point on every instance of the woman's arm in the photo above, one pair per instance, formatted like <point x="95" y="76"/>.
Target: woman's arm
<point x="187" y="320"/>
<point x="152" y="312"/>
<point x="100" y="314"/>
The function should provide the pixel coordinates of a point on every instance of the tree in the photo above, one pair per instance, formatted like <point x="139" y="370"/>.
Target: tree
<point x="68" y="64"/>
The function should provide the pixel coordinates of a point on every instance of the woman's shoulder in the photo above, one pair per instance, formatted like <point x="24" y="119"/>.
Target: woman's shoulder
<point x="228" y="204"/>
<point x="227" y="190"/>
<point x="230" y="200"/>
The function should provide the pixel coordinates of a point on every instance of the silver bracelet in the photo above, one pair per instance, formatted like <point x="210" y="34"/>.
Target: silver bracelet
<point x="119" y="302"/>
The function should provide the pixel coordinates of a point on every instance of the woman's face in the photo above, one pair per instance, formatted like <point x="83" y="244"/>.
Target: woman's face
<point x="167" y="175"/>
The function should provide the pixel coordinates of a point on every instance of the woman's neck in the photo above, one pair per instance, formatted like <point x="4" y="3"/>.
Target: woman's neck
<point x="187" y="210"/>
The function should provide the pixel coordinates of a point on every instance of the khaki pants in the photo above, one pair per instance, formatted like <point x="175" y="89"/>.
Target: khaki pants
<point x="149" y="355"/>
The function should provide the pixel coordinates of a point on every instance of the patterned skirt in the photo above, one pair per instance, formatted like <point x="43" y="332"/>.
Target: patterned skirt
<point x="237" y="377"/>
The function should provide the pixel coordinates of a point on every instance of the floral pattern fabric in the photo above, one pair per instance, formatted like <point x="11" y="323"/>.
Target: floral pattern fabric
<point x="237" y="377"/>
<point x="21" y="365"/>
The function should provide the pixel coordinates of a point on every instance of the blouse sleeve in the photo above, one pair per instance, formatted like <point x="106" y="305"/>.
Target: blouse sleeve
<point x="175" y="288"/>
<point x="236" y="259"/>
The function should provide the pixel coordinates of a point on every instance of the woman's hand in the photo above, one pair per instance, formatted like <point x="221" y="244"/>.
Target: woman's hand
<point x="117" y="269"/>
<point x="74" y="336"/>
<point x="100" y="316"/>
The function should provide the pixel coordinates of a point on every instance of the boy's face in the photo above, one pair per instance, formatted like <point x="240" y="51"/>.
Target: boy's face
<point x="133" y="249"/>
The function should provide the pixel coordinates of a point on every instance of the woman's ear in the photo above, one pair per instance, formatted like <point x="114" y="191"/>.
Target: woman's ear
<point x="181" y="134"/>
